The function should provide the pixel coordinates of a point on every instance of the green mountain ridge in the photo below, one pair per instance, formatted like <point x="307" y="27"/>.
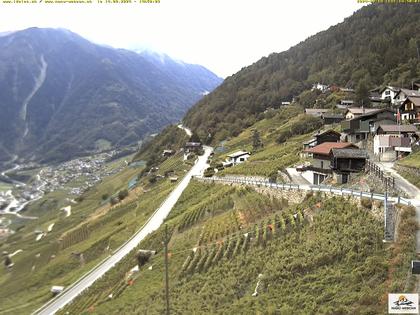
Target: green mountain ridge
<point x="377" y="45"/>
<point x="316" y="253"/>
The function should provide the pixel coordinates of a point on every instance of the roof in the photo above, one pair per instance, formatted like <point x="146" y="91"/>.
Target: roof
<point x="394" y="89"/>
<point x="237" y="154"/>
<point x="193" y="144"/>
<point x="414" y="100"/>
<point x="332" y="115"/>
<point x="361" y="110"/>
<point x="412" y="93"/>
<point x="326" y="147"/>
<point x="398" y="128"/>
<point x="350" y="153"/>
<point x="373" y="112"/>
<point x="327" y="131"/>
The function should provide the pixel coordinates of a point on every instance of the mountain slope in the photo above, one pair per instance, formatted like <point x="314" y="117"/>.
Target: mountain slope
<point x="377" y="45"/>
<point x="60" y="94"/>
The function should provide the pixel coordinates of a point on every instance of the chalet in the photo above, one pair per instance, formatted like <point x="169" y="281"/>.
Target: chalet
<point x="416" y="86"/>
<point x="347" y="103"/>
<point x="319" y="86"/>
<point x="388" y="93"/>
<point x="193" y="146"/>
<point x="409" y="110"/>
<point x="402" y="95"/>
<point x="321" y="164"/>
<point x="331" y="118"/>
<point x="389" y="147"/>
<point x="167" y="152"/>
<point x="358" y="111"/>
<point x="317" y="112"/>
<point x="238" y="157"/>
<point x="346" y="161"/>
<point x="405" y="130"/>
<point x="375" y="96"/>
<point x="360" y="127"/>
<point x="347" y="90"/>
<point x="321" y="137"/>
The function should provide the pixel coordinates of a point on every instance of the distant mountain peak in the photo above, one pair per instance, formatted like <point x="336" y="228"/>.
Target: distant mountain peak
<point x="65" y="94"/>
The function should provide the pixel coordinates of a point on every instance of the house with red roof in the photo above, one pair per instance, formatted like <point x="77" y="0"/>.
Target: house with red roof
<point x="335" y="159"/>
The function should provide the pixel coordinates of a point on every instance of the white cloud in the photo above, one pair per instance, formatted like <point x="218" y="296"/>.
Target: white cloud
<point x="223" y="35"/>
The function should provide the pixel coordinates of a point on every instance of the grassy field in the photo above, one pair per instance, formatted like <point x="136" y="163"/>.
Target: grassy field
<point x="94" y="229"/>
<point x="279" y="150"/>
<point x="413" y="160"/>
<point x="5" y="186"/>
<point x="326" y="254"/>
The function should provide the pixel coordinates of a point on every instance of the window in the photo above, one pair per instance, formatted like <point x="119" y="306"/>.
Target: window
<point x="322" y="164"/>
<point x="387" y="92"/>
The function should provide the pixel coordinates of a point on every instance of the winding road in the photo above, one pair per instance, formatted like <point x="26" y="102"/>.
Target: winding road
<point x="153" y="223"/>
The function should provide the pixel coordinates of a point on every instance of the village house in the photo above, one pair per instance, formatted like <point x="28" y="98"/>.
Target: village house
<point x="393" y="141"/>
<point x="328" y="160"/>
<point x="361" y="126"/>
<point x="319" y="86"/>
<point x="388" y="147"/>
<point x="321" y="137"/>
<point x="166" y="153"/>
<point x="331" y="118"/>
<point x="358" y="111"/>
<point x="416" y="86"/>
<point x="237" y="158"/>
<point x="402" y="95"/>
<point x="409" y="110"/>
<point x="388" y="93"/>
<point x="405" y="130"/>
<point x="347" y="103"/>
<point x="193" y="147"/>
<point x="347" y="161"/>
<point x="347" y="90"/>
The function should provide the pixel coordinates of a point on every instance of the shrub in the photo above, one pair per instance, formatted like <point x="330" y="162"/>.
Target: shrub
<point x="122" y="194"/>
<point x="366" y="203"/>
<point x="113" y="201"/>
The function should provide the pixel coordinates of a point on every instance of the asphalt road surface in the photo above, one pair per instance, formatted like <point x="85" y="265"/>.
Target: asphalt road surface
<point x="151" y="225"/>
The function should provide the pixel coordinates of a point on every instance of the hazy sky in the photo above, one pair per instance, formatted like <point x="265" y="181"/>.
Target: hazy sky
<point x="223" y="35"/>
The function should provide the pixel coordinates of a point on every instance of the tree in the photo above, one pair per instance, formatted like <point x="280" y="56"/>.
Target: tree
<point x="256" y="140"/>
<point x="152" y="179"/>
<point x="194" y="137"/>
<point x="122" y="194"/>
<point x="362" y="93"/>
<point x="113" y="201"/>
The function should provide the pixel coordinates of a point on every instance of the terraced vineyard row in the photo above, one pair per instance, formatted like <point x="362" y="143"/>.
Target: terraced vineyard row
<point x="217" y="204"/>
<point x="74" y="237"/>
<point x="260" y="234"/>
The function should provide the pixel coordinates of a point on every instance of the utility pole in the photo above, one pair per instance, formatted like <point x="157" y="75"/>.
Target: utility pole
<point x="385" y="210"/>
<point x="166" y="270"/>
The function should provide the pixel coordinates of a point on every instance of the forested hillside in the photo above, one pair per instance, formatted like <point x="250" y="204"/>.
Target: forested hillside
<point x="378" y="45"/>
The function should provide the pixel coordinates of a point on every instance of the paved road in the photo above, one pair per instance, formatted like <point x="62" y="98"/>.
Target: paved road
<point x="411" y="190"/>
<point x="297" y="177"/>
<point x="322" y="188"/>
<point x="151" y="225"/>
